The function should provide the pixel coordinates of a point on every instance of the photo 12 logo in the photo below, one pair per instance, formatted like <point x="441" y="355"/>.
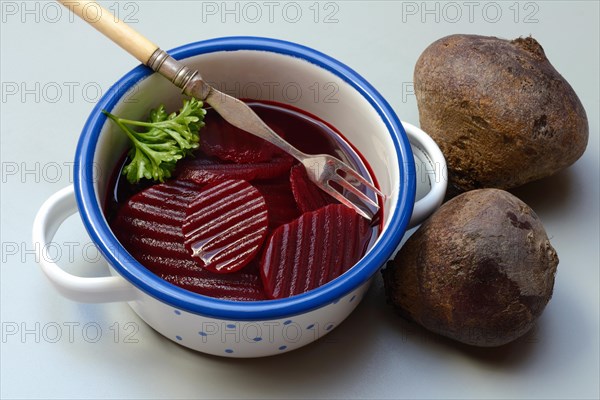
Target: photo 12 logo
<point x="288" y="332"/>
<point x="60" y="92"/>
<point x="69" y="332"/>
<point x="52" y="12"/>
<point x="252" y="12"/>
<point x="470" y="11"/>
<point x="68" y="252"/>
<point x="45" y="172"/>
<point x="290" y="92"/>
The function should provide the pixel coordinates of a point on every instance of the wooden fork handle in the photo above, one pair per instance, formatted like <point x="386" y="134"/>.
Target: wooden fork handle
<point x="112" y="27"/>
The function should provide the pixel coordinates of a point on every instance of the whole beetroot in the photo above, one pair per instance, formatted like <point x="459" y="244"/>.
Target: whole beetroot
<point x="500" y="112"/>
<point x="480" y="270"/>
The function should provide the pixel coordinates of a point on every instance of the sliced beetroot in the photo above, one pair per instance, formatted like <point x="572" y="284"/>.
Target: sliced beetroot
<point x="162" y="203"/>
<point x="155" y="239"/>
<point x="225" y="225"/>
<point x="186" y="273"/>
<point x="280" y="201"/>
<point x="155" y="244"/>
<point x="309" y="196"/>
<point x="237" y="286"/>
<point x="313" y="250"/>
<point x="205" y="170"/>
<point x="165" y="264"/>
<point x="223" y="140"/>
<point x="150" y="221"/>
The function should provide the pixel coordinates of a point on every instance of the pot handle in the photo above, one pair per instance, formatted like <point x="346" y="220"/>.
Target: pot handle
<point x="49" y="218"/>
<point x="425" y="149"/>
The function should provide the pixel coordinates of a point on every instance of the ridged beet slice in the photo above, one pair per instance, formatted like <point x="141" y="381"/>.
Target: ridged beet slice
<point x="223" y="140"/>
<point x="280" y="201"/>
<point x="155" y="239"/>
<point x="308" y="195"/>
<point x="225" y="225"/>
<point x="149" y="226"/>
<point x="313" y="250"/>
<point x="204" y="170"/>
<point x="165" y="264"/>
<point x="238" y="286"/>
<point x="244" y="285"/>
<point x="150" y="222"/>
<point x="162" y="203"/>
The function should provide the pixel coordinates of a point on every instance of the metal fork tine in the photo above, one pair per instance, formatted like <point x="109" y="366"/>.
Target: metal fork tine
<point x="350" y="171"/>
<point x="347" y="185"/>
<point x="339" y="197"/>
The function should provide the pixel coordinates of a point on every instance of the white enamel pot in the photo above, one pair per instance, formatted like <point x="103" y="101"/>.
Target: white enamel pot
<point x="256" y="68"/>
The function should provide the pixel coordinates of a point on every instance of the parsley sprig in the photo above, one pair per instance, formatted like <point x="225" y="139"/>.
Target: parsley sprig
<point x="165" y="139"/>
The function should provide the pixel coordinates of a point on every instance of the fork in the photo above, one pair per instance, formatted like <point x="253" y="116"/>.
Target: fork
<point x="330" y="174"/>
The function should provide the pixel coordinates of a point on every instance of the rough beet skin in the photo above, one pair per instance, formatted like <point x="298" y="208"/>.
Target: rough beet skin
<point x="480" y="270"/>
<point x="500" y="112"/>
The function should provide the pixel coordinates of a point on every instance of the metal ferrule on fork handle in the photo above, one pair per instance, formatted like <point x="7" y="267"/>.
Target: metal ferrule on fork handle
<point x="185" y="78"/>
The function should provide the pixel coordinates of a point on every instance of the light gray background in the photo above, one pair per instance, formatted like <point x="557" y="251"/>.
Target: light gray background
<point x="52" y="70"/>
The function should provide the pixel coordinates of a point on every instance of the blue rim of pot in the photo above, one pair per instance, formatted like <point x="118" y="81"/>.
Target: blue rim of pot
<point x="181" y="299"/>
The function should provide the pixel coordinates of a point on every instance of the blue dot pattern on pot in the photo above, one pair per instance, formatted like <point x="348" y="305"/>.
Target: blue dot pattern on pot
<point x="235" y="330"/>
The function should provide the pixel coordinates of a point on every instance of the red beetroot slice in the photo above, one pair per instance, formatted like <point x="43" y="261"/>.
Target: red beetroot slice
<point x="243" y="285"/>
<point x="150" y="222"/>
<point x="225" y="225"/>
<point x="185" y="273"/>
<point x="238" y="286"/>
<point x="202" y="170"/>
<point x="313" y="250"/>
<point x="223" y="140"/>
<point x="308" y="195"/>
<point x="280" y="201"/>
<point x="159" y="245"/>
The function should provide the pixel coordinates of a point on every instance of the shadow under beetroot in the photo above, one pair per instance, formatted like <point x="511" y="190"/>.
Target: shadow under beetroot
<point x="548" y="194"/>
<point x="545" y="334"/>
<point x="507" y="356"/>
<point x="544" y="195"/>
